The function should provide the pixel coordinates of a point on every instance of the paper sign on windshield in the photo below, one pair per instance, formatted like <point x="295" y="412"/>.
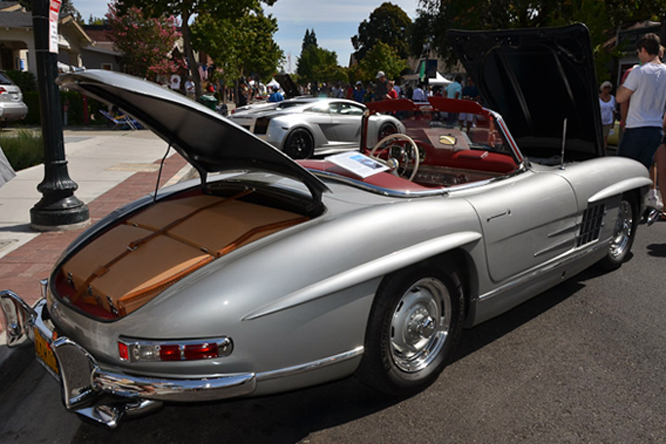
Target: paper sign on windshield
<point x="358" y="164"/>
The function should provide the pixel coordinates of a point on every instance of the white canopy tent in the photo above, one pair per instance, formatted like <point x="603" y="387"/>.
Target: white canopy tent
<point x="439" y="80"/>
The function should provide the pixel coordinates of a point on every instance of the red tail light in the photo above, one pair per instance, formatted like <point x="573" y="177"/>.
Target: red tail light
<point x="192" y="350"/>
<point x="2" y="90"/>
<point x="123" y="351"/>
<point x="201" y="351"/>
<point x="170" y="352"/>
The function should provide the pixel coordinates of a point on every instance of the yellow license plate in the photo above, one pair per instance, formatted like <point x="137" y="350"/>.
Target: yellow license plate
<point x="44" y="352"/>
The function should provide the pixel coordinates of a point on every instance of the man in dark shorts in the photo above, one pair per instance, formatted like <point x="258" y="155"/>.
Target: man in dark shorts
<point x="646" y="86"/>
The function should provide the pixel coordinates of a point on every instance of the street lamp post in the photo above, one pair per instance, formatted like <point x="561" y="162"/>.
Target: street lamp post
<point x="59" y="208"/>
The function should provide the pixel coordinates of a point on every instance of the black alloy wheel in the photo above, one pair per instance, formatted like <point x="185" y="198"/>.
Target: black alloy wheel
<point x="299" y="144"/>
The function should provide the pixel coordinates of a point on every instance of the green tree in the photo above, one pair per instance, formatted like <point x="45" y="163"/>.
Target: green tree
<point x="389" y="24"/>
<point x="95" y="20"/>
<point x="185" y="9"/>
<point x="382" y="57"/>
<point x="602" y="17"/>
<point x="67" y="8"/>
<point x="144" y="42"/>
<point x="316" y="63"/>
<point x="310" y="39"/>
<point x="239" y="45"/>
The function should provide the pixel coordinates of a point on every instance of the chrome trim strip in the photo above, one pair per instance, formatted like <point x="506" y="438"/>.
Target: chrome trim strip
<point x="555" y="246"/>
<point x="533" y="274"/>
<point x="185" y="390"/>
<point x="410" y="194"/>
<point x="376" y="189"/>
<point x="367" y="271"/>
<point x="518" y="156"/>
<point x="572" y="227"/>
<point x="314" y="365"/>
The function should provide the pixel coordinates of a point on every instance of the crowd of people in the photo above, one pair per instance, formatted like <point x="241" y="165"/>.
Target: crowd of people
<point x="385" y="89"/>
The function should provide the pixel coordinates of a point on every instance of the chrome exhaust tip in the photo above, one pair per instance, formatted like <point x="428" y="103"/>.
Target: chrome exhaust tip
<point x="110" y="415"/>
<point x="652" y="215"/>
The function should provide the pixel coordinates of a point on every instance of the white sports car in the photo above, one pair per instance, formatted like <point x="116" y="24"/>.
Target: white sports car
<point x="307" y="127"/>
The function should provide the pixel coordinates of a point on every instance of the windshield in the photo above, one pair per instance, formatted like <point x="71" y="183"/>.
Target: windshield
<point x="420" y="149"/>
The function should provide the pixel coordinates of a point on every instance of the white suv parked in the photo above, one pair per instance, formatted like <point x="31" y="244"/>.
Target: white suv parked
<point x="11" y="100"/>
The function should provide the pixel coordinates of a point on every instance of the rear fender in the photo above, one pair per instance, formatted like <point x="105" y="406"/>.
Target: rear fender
<point x="368" y="271"/>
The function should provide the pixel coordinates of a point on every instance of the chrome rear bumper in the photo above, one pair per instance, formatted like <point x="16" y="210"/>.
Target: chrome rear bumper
<point x="106" y="395"/>
<point x="84" y="382"/>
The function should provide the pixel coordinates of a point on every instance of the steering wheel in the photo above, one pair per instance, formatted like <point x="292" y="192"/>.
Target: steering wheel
<point x="399" y="157"/>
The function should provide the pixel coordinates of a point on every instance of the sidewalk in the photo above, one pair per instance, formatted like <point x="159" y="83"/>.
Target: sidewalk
<point x="111" y="169"/>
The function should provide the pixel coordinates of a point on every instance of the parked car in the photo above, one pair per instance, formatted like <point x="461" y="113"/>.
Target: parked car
<point x="267" y="275"/>
<point x="307" y="127"/>
<point x="12" y="107"/>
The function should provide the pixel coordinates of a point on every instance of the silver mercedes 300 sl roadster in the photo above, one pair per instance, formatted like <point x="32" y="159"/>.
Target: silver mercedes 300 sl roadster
<point x="267" y="275"/>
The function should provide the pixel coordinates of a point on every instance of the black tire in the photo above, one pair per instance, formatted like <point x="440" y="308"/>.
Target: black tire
<point x="386" y="130"/>
<point x="624" y="233"/>
<point x="414" y="326"/>
<point x="299" y="144"/>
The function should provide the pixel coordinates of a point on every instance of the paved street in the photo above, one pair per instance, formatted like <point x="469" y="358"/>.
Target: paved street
<point x="583" y="363"/>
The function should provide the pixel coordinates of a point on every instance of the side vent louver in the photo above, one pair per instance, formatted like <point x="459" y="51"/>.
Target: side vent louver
<point x="590" y="227"/>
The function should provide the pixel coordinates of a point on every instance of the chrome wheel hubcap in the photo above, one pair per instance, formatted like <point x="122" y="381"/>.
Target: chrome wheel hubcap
<point x="420" y="325"/>
<point x="623" y="230"/>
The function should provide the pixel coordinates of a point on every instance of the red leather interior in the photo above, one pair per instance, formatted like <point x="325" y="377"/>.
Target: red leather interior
<point x="383" y="179"/>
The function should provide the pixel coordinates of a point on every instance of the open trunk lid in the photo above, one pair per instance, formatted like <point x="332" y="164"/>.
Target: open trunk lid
<point x="203" y="137"/>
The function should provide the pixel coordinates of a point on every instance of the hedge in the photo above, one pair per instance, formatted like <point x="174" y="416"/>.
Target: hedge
<point x="24" y="148"/>
<point x="74" y="101"/>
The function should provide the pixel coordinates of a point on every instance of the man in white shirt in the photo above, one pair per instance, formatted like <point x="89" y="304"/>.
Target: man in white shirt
<point x="646" y="86"/>
<point x="418" y="95"/>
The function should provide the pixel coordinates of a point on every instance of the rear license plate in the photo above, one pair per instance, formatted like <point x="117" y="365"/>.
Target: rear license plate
<point x="44" y="352"/>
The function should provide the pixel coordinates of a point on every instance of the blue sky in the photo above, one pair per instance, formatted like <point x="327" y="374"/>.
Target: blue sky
<point x="334" y="22"/>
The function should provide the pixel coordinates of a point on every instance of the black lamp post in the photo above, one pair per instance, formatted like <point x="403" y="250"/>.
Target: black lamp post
<point x="58" y="208"/>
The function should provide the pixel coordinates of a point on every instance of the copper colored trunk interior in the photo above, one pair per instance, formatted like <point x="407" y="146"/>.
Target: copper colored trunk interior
<point x="134" y="261"/>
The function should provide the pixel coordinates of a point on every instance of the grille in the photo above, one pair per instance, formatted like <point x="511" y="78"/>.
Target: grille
<point x="590" y="227"/>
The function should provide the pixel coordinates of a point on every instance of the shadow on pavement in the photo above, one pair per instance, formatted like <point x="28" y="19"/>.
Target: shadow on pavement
<point x="657" y="250"/>
<point x="19" y="228"/>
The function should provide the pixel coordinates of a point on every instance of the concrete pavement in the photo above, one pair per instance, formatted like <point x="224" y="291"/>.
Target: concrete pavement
<point x="111" y="169"/>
